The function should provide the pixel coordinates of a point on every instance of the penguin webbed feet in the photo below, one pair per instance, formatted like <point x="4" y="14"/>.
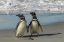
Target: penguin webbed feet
<point x="35" y="35"/>
<point x="19" y="36"/>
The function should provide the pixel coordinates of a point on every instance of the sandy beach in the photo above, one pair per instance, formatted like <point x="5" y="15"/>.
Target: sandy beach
<point x="51" y="33"/>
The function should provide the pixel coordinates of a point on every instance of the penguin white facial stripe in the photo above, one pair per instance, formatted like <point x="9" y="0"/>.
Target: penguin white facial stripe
<point x="22" y="17"/>
<point x="34" y="19"/>
<point x="21" y="20"/>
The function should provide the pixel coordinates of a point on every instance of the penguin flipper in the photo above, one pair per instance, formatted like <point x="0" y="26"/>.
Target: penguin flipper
<point x="30" y="23"/>
<point x="40" y="26"/>
<point x="17" y="26"/>
<point x="27" y="29"/>
<point x="28" y="26"/>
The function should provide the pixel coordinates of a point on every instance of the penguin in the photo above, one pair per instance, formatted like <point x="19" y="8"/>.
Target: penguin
<point x="34" y="24"/>
<point x="21" y="26"/>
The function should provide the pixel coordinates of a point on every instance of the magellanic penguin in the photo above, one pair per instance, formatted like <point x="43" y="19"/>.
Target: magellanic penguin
<point x="21" y="26"/>
<point x="34" y="24"/>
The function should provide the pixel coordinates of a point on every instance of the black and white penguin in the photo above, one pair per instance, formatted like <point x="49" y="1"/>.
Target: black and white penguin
<point x="34" y="24"/>
<point x="21" y="26"/>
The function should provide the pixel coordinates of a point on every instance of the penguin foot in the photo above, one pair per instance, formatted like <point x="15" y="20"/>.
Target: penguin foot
<point x="17" y="36"/>
<point x="21" y="36"/>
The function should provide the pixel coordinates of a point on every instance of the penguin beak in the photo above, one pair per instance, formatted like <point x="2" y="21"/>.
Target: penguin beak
<point x="30" y="12"/>
<point x="18" y="15"/>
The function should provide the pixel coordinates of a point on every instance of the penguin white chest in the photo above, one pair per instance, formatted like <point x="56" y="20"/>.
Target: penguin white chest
<point x="34" y="26"/>
<point x="21" y="28"/>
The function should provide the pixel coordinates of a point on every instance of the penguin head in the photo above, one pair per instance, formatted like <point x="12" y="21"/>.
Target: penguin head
<point x="21" y="16"/>
<point x="34" y="17"/>
<point x="32" y="13"/>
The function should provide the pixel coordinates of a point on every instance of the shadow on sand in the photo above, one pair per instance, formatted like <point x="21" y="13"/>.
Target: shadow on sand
<point x="43" y="35"/>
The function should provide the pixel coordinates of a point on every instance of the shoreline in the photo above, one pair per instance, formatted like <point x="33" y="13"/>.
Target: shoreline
<point x="59" y="23"/>
<point x="51" y="33"/>
<point x="45" y="12"/>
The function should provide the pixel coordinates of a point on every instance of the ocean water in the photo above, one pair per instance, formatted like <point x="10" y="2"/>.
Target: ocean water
<point x="31" y="5"/>
<point x="10" y="21"/>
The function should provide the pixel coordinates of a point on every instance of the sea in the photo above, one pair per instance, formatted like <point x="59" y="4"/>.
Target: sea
<point x="9" y="21"/>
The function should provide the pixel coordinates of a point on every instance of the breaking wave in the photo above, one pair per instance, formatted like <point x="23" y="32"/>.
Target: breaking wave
<point x="30" y="5"/>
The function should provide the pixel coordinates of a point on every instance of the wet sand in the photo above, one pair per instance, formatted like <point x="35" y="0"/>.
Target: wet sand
<point x="51" y="33"/>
